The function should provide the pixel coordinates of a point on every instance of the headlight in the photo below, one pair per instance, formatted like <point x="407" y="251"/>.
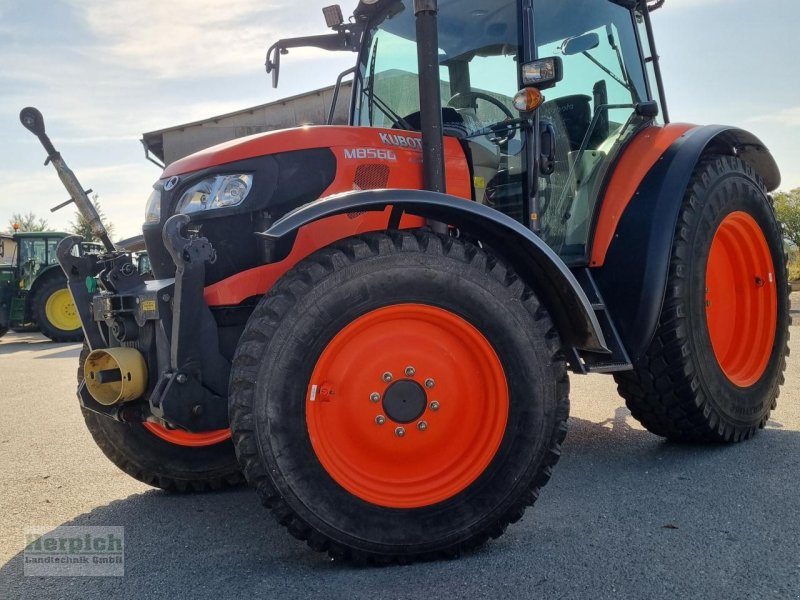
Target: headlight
<point x="152" y="213"/>
<point x="222" y="191"/>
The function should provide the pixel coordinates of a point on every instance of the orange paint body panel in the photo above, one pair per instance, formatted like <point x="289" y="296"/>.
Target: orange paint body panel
<point x="638" y="158"/>
<point x="366" y="158"/>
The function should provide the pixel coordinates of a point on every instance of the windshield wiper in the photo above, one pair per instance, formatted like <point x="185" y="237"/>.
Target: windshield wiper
<point x="374" y="100"/>
<point x="371" y="86"/>
<point x="612" y="40"/>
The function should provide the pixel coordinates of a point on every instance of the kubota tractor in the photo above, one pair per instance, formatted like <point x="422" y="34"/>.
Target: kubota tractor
<point x="374" y="324"/>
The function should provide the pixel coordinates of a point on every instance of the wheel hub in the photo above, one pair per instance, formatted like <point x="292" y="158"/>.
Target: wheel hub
<point x="405" y="401"/>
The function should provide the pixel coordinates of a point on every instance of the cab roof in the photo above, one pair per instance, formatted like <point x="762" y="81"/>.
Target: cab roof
<point x="38" y="234"/>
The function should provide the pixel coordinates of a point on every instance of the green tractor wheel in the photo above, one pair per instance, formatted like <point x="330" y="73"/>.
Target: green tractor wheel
<point x="55" y="313"/>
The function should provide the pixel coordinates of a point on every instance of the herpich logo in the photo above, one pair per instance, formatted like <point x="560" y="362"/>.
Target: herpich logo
<point x="70" y="551"/>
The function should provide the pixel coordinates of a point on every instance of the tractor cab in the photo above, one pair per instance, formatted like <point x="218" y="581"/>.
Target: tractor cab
<point x="36" y="253"/>
<point x="545" y="172"/>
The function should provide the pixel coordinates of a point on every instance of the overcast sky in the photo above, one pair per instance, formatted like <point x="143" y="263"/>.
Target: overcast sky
<point x="105" y="71"/>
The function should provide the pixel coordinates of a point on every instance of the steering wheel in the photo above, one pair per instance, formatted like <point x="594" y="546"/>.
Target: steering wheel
<point x="467" y="99"/>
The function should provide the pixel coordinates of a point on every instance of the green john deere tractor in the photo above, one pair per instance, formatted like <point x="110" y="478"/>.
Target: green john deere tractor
<point x="33" y="288"/>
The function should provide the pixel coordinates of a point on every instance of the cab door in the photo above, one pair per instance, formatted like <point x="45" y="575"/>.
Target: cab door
<point x="590" y="114"/>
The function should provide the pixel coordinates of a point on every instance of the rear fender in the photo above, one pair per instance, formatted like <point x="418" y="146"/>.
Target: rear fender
<point x="634" y="271"/>
<point x="530" y="257"/>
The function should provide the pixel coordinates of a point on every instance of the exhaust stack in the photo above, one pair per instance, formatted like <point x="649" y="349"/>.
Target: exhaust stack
<point x="430" y="95"/>
<point x="33" y="121"/>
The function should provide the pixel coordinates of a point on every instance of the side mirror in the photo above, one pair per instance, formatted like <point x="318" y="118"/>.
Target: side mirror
<point x="580" y="44"/>
<point x="32" y="120"/>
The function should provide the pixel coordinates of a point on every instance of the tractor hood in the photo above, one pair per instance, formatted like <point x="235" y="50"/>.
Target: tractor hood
<point x="287" y="169"/>
<point x="264" y="144"/>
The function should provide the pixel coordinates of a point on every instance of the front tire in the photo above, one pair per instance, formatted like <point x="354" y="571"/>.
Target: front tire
<point x="167" y="459"/>
<point x="398" y="396"/>
<point x="715" y="366"/>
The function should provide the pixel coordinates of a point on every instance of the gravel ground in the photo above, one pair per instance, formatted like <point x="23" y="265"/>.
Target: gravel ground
<point x="626" y="514"/>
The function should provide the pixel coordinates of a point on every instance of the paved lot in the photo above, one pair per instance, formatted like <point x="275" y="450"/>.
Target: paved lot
<point x="625" y="516"/>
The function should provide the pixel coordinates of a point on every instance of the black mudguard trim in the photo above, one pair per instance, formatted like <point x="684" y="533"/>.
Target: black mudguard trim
<point x="633" y="279"/>
<point x="530" y="257"/>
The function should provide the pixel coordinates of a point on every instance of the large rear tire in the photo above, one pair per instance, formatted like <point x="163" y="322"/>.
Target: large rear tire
<point x="164" y="458"/>
<point x="54" y="311"/>
<point x="715" y="366"/>
<point x="398" y="396"/>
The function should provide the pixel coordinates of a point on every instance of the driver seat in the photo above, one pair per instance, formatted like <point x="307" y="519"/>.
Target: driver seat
<point x="452" y="123"/>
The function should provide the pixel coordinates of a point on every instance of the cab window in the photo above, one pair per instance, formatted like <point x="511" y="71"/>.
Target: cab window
<point x="591" y="113"/>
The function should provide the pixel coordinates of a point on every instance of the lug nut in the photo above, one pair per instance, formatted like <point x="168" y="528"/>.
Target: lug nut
<point x="422" y="425"/>
<point x="429" y="383"/>
<point x="434" y="405"/>
<point x="387" y="377"/>
<point x="375" y="397"/>
<point x="410" y="371"/>
<point x="400" y="432"/>
<point x="380" y="420"/>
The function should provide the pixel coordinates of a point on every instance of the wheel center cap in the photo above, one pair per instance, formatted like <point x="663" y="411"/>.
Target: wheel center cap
<point x="405" y="401"/>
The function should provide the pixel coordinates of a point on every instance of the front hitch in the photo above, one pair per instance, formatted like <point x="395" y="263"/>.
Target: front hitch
<point x="192" y="393"/>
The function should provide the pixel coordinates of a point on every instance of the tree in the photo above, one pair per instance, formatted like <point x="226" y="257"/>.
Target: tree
<point x="787" y="207"/>
<point x="27" y="222"/>
<point x="82" y="227"/>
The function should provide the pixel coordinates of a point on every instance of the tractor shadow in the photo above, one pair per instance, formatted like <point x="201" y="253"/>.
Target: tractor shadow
<point x="620" y="495"/>
<point x="36" y="342"/>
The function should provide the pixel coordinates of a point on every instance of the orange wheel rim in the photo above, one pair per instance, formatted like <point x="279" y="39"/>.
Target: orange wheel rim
<point x="741" y="299"/>
<point x="184" y="438"/>
<point x="407" y="406"/>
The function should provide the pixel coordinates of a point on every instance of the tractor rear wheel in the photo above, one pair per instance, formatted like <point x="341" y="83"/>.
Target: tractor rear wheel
<point x="715" y="366"/>
<point x="169" y="459"/>
<point x="54" y="311"/>
<point x="398" y="396"/>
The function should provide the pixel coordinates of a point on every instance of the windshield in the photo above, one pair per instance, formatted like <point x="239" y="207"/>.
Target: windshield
<point x="478" y="50"/>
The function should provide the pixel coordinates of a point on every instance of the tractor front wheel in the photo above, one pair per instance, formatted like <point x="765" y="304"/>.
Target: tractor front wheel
<point x="54" y="311"/>
<point x="169" y="459"/>
<point x="398" y="396"/>
<point x="715" y="366"/>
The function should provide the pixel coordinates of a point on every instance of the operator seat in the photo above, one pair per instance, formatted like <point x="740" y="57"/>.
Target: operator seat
<point x="571" y="117"/>
<point x="452" y="123"/>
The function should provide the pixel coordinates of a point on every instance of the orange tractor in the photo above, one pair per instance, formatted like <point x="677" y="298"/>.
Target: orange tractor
<point x="374" y="324"/>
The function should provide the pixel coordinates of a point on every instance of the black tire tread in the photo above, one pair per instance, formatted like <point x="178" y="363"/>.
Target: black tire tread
<point x="210" y="481"/>
<point x="299" y="281"/>
<point x="663" y="392"/>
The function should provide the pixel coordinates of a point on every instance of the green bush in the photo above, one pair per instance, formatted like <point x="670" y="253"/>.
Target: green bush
<point x="794" y="267"/>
